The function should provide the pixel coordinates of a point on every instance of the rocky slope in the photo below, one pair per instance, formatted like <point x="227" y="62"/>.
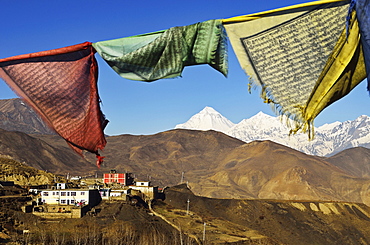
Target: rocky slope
<point x="15" y="115"/>
<point x="23" y="175"/>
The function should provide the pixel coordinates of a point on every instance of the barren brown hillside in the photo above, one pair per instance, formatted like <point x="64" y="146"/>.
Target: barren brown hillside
<point x="355" y="161"/>
<point x="41" y="155"/>
<point x="269" y="170"/>
<point x="166" y="155"/>
<point x="213" y="164"/>
<point x="293" y="198"/>
<point x="216" y="165"/>
<point x="268" y="221"/>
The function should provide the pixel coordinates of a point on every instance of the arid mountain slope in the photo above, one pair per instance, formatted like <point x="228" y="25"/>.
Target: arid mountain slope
<point x="213" y="164"/>
<point x="41" y="155"/>
<point x="15" y="115"/>
<point x="355" y="161"/>
<point x="267" y="221"/>
<point x="21" y="174"/>
<point x="271" y="171"/>
<point x="216" y="165"/>
<point x="166" y="155"/>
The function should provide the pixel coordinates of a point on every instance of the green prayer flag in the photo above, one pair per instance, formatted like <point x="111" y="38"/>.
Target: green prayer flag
<point x="164" y="54"/>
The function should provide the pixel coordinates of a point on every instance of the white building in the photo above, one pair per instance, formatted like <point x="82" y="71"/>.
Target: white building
<point x="142" y="183"/>
<point x="120" y="192"/>
<point x="61" y="186"/>
<point x="70" y="197"/>
<point x="145" y="187"/>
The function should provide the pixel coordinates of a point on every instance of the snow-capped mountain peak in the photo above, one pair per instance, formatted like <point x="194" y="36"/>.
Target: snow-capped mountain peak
<point x="207" y="119"/>
<point x="259" y="115"/>
<point x="208" y="110"/>
<point x="328" y="126"/>
<point x="329" y="138"/>
<point x="261" y="120"/>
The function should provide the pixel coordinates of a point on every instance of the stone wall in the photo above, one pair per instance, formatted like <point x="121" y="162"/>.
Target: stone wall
<point x="60" y="211"/>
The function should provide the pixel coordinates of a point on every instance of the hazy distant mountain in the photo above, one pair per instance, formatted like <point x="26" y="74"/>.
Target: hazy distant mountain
<point x="15" y="115"/>
<point x="329" y="138"/>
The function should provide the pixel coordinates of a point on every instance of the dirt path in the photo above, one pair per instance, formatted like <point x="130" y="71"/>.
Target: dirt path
<point x="170" y="223"/>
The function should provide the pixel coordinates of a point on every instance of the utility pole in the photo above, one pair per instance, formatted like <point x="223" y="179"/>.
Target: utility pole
<point x="182" y="178"/>
<point x="204" y="233"/>
<point x="181" y="243"/>
<point x="187" y="209"/>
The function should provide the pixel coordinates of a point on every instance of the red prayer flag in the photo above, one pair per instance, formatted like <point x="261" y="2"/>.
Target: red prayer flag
<point x="61" y="86"/>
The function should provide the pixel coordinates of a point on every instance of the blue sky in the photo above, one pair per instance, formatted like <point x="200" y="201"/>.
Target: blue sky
<point x="146" y="108"/>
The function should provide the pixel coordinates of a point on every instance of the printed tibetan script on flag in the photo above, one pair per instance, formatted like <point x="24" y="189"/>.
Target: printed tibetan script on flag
<point x="287" y="52"/>
<point x="61" y="86"/>
<point x="288" y="66"/>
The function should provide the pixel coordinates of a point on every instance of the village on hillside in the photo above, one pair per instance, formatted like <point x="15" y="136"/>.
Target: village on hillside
<point x="79" y="196"/>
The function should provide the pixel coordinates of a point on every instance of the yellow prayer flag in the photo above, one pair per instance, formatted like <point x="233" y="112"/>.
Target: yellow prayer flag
<point x="300" y="56"/>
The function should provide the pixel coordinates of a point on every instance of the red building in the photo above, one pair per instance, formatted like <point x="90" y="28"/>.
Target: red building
<point x="119" y="178"/>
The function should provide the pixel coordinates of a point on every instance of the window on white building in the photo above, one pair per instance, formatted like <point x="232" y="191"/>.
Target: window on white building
<point x="82" y="193"/>
<point x="62" y="193"/>
<point x="46" y="193"/>
<point x="63" y="201"/>
<point x="73" y="193"/>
